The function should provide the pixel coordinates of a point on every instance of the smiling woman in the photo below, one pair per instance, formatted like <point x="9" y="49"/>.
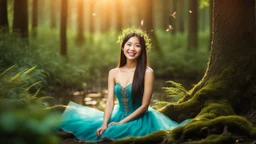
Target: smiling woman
<point x="132" y="84"/>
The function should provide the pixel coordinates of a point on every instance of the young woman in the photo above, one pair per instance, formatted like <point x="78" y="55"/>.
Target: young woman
<point x="132" y="84"/>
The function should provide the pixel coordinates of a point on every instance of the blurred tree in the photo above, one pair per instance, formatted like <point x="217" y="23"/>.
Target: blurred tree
<point x="119" y="14"/>
<point x="140" y="12"/>
<point x="172" y="19"/>
<point x="193" y="25"/>
<point x="20" y="18"/>
<point x="149" y="25"/>
<point x="53" y="9"/>
<point x="92" y="14"/>
<point x="180" y="16"/>
<point x="166" y="13"/>
<point x="148" y="16"/>
<point x="4" y="25"/>
<point x="63" y="27"/>
<point x="34" y="17"/>
<point x="80" y="22"/>
<point x="106" y="18"/>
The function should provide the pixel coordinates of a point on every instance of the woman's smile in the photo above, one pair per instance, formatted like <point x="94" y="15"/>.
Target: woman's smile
<point x="132" y="54"/>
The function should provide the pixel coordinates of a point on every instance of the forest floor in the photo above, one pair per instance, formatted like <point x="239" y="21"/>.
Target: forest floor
<point x="68" y="138"/>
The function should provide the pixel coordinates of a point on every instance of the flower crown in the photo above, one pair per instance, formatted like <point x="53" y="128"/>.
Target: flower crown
<point x="138" y="31"/>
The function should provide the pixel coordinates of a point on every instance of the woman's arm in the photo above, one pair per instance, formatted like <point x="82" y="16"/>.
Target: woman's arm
<point x="110" y="103"/>
<point x="148" y="90"/>
<point x="111" y="99"/>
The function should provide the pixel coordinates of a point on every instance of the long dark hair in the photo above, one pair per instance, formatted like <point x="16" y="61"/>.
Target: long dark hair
<point x="139" y="75"/>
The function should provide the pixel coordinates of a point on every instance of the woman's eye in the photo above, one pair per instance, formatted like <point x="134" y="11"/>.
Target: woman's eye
<point x="129" y="44"/>
<point x="138" y="45"/>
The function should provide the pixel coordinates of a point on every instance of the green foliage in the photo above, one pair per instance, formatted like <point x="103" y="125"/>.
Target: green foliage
<point x="204" y="3"/>
<point x="175" y="92"/>
<point x="23" y="118"/>
<point x="176" y="61"/>
<point x="52" y="68"/>
<point x="88" y="65"/>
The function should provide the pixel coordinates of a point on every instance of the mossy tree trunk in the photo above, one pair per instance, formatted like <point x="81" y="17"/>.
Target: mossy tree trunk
<point x="223" y="103"/>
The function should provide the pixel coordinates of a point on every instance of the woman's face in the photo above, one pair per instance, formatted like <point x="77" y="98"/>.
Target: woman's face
<point x="132" y="48"/>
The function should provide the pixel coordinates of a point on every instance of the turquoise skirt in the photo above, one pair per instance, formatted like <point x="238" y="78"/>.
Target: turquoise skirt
<point x="83" y="122"/>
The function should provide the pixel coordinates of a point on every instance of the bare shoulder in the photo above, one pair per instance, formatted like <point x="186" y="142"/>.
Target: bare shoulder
<point x="149" y="73"/>
<point x="149" y="70"/>
<point x="113" y="71"/>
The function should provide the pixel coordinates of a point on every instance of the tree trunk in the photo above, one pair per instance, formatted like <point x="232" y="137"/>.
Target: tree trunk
<point x="166" y="14"/>
<point x="63" y="27"/>
<point x="193" y="25"/>
<point x="180" y="16"/>
<point x="172" y="20"/>
<point x="223" y="103"/>
<point x="20" y="18"/>
<point x="140" y="12"/>
<point x="92" y="17"/>
<point x="119" y="15"/>
<point x="4" y="26"/>
<point x="211" y="25"/>
<point x="80" y="23"/>
<point x="148" y="16"/>
<point x="150" y="27"/>
<point x="53" y="13"/>
<point x="106" y="19"/>
<point x="34" y="17"/>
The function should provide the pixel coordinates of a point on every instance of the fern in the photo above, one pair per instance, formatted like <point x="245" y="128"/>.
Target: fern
<point x="175" y="92"/>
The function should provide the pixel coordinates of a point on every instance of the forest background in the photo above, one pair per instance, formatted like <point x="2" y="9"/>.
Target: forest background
<point x="54" y="51"/>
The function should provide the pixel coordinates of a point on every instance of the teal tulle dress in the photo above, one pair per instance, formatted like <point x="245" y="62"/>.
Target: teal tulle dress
<point x="83" y="121"/>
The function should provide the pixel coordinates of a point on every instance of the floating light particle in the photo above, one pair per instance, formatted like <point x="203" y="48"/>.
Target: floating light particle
<point x="141" y="22"/>
<point x="173" y="14"/>
<point x="170" y="27"/>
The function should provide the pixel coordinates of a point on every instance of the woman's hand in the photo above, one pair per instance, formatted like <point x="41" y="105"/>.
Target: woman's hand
<point x="114" y="123"/>
<point x="101" y="130"/>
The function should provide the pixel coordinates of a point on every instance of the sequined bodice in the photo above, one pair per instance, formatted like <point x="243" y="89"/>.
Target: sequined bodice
<point x="124" y="96"/>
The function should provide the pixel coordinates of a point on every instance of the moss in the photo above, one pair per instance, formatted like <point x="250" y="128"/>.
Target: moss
<point x="212" y="101"/>
<point x="236" y="125"/>
<point x="216" y="109"/>
<point x="156" y="137"/>
<point x="216" y="139"/>
<point x="215" y="83"/>
<point x="177" y="132"/>
<point x="213" y="91"/>
<point x="253" y="133"/>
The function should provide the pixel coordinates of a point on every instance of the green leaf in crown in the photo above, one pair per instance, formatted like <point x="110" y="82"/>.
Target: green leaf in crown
<point x="129" y="30"/>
